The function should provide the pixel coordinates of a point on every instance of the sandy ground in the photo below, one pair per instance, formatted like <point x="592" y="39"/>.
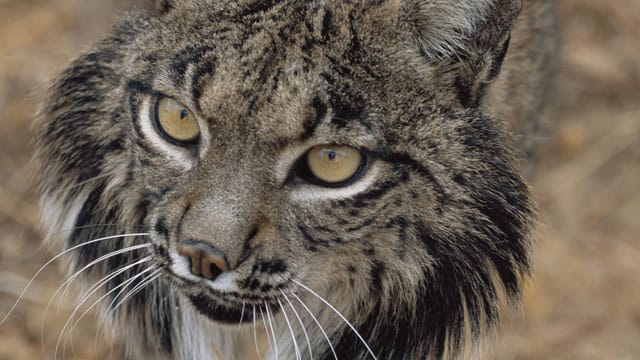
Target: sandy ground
<point x="584" y="299"/>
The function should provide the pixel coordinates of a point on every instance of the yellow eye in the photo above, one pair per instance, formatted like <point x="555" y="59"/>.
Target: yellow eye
<point x="176" y="122"/>
<point x="334" y="165"/>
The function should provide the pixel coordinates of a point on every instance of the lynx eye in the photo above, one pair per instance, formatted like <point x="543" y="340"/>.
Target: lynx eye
<point x="175" y="122"/>
<point x="333" y="166"/>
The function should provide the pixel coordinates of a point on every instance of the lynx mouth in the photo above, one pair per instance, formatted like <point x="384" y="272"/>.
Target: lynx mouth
<point x="227" y="313"/>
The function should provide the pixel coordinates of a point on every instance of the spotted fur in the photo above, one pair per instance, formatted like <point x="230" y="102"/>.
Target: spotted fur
<point x="418" y="253"/>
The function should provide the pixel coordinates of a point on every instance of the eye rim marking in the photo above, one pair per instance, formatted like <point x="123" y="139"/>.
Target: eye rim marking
<point x="155" y="120"/>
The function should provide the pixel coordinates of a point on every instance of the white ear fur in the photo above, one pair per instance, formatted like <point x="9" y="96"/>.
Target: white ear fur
<point x="454" y="28"/>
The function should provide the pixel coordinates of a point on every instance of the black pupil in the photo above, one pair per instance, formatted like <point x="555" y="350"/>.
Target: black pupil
<point x="332" y="155"/>
<point x="183" y="114"/>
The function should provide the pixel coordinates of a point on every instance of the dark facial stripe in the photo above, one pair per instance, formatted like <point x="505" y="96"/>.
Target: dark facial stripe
<point x="271" y="267"/>
<point x="259" y="7"/>
<point x="314" y="118"/>
<point x="135" y="89"/>
<point x="360" y="226"/>
<point x="87" y="214"/>
<point x="161" y="228"/>
<point x="377" y="192"/>
<point x="201" y="75"/>
<point x="346" y="106"/>
<point x="419" y="169"/>
<point x="191" y="54"/>
<point x="326" y="24"/>
<point x="162" y="320"/>
<point x="304" y="231"/>
<point x="377" y="273"/>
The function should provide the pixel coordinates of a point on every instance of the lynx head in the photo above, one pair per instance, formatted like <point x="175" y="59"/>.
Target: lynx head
<point x="270" y="150"/>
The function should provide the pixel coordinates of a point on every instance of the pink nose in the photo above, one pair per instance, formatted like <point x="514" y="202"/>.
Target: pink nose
<point x="206" y="260"/>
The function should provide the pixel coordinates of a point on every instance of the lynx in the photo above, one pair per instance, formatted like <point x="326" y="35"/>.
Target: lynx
<point x="300" y="179"/>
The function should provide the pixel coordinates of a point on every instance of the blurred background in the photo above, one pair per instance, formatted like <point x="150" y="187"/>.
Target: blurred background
<point x="584" y="300"/>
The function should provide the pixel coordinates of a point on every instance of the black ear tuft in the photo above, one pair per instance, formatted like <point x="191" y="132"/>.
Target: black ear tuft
<point x="164" y="6"/>
<point x="494" y="34"/>
<point x="496" y="59"/>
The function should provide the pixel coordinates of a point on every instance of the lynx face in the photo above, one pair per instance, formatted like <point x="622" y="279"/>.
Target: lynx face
<point x="289" y="161"/>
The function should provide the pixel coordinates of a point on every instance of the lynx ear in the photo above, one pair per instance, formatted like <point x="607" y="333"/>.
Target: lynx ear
<point x="472" y="36"/>
<point x="451" y="28"/>
<point x="164" y="6"/>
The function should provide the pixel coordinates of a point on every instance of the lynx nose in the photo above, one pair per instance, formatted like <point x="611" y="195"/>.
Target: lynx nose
<point x="206" y="260"/>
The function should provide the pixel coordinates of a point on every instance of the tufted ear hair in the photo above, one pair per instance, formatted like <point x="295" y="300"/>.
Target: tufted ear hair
<point x="164" y="6"/>
<point x="472" y="36"/>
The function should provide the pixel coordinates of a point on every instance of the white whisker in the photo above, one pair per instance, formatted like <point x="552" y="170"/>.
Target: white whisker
<point x="97" y="225"/>
<point x="71" y="278"/>
<point x="119" y="286"/>
<point x="143" y="283"/>
<point x="333" y="351"/>
<point x="112" y="306"/>
<point x="275" y="339"/>
<point x="57" y="257"/>
<point x="266" y="328"/>
<point x="304" y="331"/>
<point x="92" y="291"/>
<point x="68" y="281"/>
<point x="77" y="321"/>
<point x="241" y="315"/>
<point x="340" y="315"/>
<point x="255" y="335"/>
<point x="293" y="337"/>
